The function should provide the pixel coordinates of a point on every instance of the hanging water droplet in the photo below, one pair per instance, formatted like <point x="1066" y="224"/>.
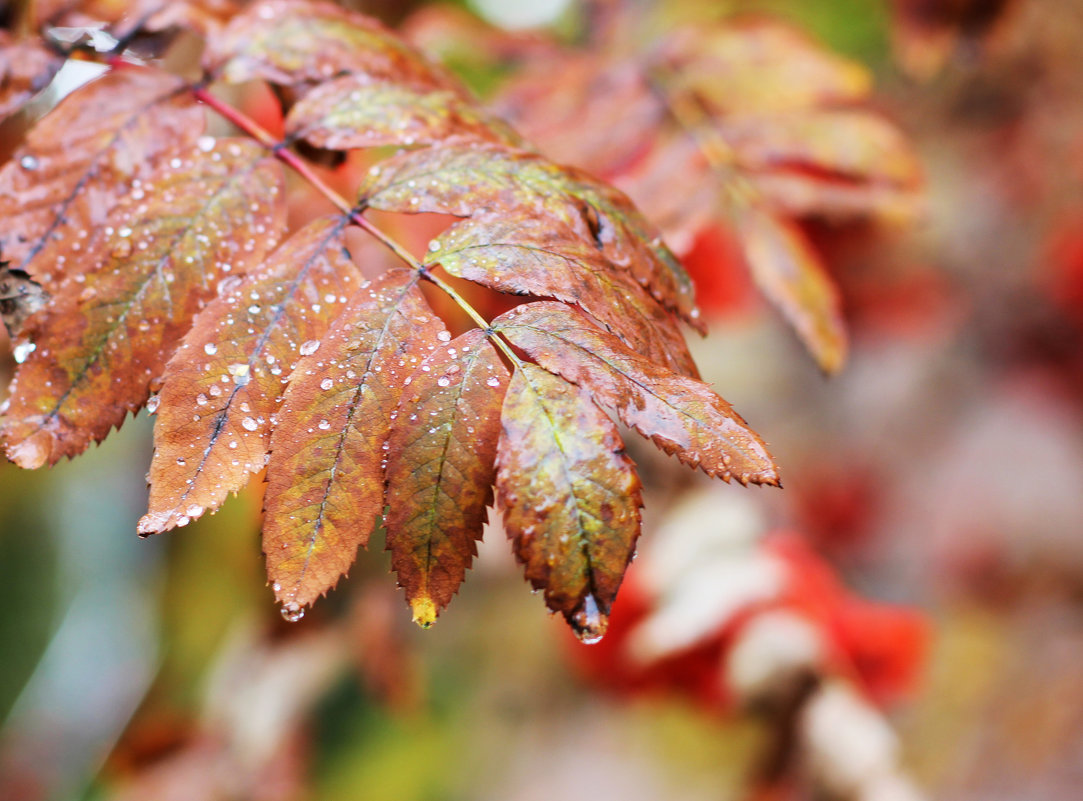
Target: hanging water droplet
<point x="152" y="403"/>
<point x="310" y="347"/>
<point x="292" y="612"/>
<point x="195" y="510"/>
<point x="588" y="622"/>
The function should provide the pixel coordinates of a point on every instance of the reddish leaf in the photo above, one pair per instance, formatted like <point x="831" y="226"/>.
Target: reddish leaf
<point x="767" y="66"/>
<point x="477" y="180"/>
<point x="222" y="386"/>
<point x="325" y="478"/>
<point x="440" y="469"/>
<point x="570" y="496"/>
<point x="102" y="339"/>
<point x="790" y="274"/>
<point x="293" y="42"/>
<point x="852" y="143"/>
<point x="96" y="147"/>
<point x="25" y="69"/>
<point x="521" y="253"/>
<point x="679" y="414"/>
<point x="354" y="111"/>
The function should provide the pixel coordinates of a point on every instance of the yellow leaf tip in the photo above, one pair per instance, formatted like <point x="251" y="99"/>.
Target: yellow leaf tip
<point x="424" y="611"/>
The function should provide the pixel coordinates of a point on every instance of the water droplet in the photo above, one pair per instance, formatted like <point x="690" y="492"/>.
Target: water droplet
<point x="210" y="349"/>
<point x="327" y="383"/>
<point x="292" y="612"/>
<point x="324" y="425"/>
<point x="152" y="403"/>
<point x="22" y="350"/>
<point x="249" y="424"/>
<point x="588" y="621"/>
<point x="28" y="163"/>
<point x="444" y="336"/>
<point x="180" y="461"/>
<point x="493" y="381"/>
<point x="443" y="381"/>
<point x="205" y="143"/>
<point x="253" y="309"/>
<point x="195" y="510"/>
<point x="310" y="347"/>
<point x="434" y="246"/>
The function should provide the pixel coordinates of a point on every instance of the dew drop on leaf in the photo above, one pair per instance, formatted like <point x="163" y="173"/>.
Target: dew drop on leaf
<point x="249" y="424"/>
<point x="310" y="347"/>
<point x="28" y="163"/>
<point x="23" y="350"/>
<point x="210" y="349"/>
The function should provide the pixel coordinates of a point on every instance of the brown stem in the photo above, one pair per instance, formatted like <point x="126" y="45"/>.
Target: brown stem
<point x="280" y="151"/>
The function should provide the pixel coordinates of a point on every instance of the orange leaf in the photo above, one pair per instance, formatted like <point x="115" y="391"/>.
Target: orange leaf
<point x="325" y="477"/>
<point x="680" y="415"/>
<point x="570" y="496"/>
<point x="522" y="253"/>
<point x="223" y="385"/>
<point x="440" y="469"/>
<point x="102" y="339"/>
<point x="96" y="147"/>
<point x="788" y="271"/>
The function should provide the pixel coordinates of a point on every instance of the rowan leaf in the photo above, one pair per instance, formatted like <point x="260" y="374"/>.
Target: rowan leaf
<point x="520" y="253"/>
<point x="325" y="477"/>
<point x="102" y="339"/>
<point x="441" y="467"/>
<point x="569" y="494"/>
<point x="26" y="67"/>
<point x="355" y="111"/>
<point x="485" y="181"/>
<point x="222" y="387"/>
<point x="94" y="148"/>
<point x="768" y="66"/>
<point x="790" y="274"/>
<point x="291" y="42"/>
<point x="681" y="415"/>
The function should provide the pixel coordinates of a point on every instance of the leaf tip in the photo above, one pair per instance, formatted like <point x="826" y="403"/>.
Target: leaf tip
<point x="33" y="452"/>
<point x="424" y="611"/>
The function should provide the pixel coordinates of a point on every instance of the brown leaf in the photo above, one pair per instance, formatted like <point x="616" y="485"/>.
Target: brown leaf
<point x="355" y="111"/>
<point x="466" y="180"/>
<point x="101" y="340"/>
<point x="788" y="271"/>
<point x="292" y="42"/>
<point x="681" y="415"/>
<point x="95" y="148"/>
<point x="522" y="253"/>
<point x="570" y="496"/>
<point x="325" y="477"/>
<point x="441" y="467"/>
<point x="222" y="387"/>
<point x="25" y="69"/>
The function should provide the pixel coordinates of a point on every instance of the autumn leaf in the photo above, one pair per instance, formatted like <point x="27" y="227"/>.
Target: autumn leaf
<point x="681" y="415"/>
<point x="524" y="254"/>
<point x="291" y="42"/>
<point x="96" y="147"/>
<point x="789" y="272"/>
<point x="440" y="469"/>
<point x="325" y="477"/>
<point x="355" y="111"/>
<point x="222" y="386"/>
<point x="569" y="494"/>
<point x="466" y="180"/>
<point x="102" y="339"/>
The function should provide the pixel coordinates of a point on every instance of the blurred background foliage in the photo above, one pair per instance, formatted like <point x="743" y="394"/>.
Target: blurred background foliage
<point x="941" y="470"/>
